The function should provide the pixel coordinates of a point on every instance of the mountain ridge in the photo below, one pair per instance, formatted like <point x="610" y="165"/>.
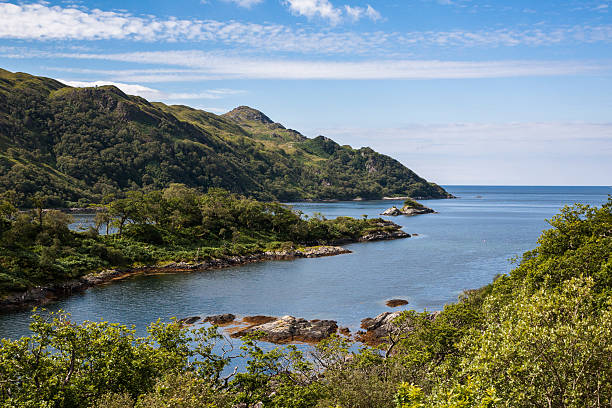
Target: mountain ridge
<point x="78" y="145"/>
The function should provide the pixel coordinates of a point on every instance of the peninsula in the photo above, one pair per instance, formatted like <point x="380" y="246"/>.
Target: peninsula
<point x="172" y="230"/>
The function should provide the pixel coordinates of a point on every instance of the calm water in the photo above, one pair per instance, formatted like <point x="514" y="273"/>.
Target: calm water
<point x="464" y="246"/>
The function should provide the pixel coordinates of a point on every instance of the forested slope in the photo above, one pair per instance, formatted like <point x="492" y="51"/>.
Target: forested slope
<point x="77" y="145"/>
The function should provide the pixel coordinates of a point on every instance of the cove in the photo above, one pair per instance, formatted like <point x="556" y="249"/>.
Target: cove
<point x="464" y="246"/>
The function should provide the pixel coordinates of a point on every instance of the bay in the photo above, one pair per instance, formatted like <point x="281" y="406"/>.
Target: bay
<point x="465" y="245"/>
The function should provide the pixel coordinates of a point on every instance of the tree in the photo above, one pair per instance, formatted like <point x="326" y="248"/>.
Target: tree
<point x="552" y="348"/>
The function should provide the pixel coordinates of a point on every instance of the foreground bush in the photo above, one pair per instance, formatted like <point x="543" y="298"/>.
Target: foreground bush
<point x="539" y="337"/>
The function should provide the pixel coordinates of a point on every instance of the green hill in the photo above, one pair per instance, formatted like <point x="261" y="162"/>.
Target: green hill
<point x="77" y="145"/>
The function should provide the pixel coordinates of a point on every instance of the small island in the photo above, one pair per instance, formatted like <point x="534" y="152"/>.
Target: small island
<point x="411" y="207"/>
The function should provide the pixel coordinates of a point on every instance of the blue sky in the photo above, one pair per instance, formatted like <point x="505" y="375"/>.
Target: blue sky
<point x="461" y="91"/>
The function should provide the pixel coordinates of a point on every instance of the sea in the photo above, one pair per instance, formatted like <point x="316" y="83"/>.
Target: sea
<point x="464" y="245"/>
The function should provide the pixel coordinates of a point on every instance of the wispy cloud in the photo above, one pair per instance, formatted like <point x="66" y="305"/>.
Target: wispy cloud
<point x="244" y="3"/>
<point x="43" y="22"/>
<point x="215" y="66"/>
<point x="356" y="13"/>
<point x="155" y="94"/>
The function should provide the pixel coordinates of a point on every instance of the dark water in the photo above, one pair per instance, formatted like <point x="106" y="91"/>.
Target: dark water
<point x="464" y="246"/>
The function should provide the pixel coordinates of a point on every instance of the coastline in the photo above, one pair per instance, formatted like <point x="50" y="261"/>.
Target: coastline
<point x="42" y="295"/>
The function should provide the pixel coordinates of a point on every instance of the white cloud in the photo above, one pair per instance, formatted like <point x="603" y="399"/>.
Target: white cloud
<point x="354" y="13"/>
<point x="315" y="8"/>
<point x="214" y="66"/>
<point x="326" y="10"/>
<point x="43" y="22"/>
<point x="372" y="14"/>
<point x="155" y="94"/>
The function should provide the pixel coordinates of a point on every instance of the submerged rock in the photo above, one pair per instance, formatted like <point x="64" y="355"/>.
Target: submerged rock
<point x="396" y="302"/>
<point x="189" y="320"/>
<point x="289" y="329"/>
<point x="259" y="319"/>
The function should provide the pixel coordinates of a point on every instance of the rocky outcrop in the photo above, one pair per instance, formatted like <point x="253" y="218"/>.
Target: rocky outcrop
<point x="384" y="235"/>
<point x="387" y="230"/>
<point x="243" y="114"/>
<point x="393" y="211"/>
<point x="220" y="319"/>
<point x="410" y="208"/>
<point x="416" y="211"/>
<point x="288" y="329"/>
<point x="378" y="328"/>
<point x="308" y="252"/>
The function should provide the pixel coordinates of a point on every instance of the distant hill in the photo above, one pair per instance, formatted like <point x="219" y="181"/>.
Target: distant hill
<point x="78" y="145"/>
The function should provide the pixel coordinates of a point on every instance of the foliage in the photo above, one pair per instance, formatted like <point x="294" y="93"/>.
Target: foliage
<point x="410" y="203"/>
<point x="174" y="224"/>
<point x="76" y="145"/>
<point x="69" y="365"/>
<point x="540" y="336"/>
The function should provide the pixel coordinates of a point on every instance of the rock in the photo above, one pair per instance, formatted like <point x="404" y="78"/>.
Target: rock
<point x="321" y="251"/>
<point x="416" y="211"/>
<point x="393" y="211"/>
<point x="378" y="328"/>
<point x="289" y="329"/>
<point x="410" y="208"/>
<point x="384" y="235"/>
<point x="396" y="302"/>
<point x="308" y="252"/>
<point x="220" y="318"/>
<point x="189" y="320"/>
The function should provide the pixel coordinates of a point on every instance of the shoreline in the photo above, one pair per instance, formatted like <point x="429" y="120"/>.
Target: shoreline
<point x="42" y="295"/>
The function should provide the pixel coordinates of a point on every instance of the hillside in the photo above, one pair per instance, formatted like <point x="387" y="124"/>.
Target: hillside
<point x="78" y="145"/>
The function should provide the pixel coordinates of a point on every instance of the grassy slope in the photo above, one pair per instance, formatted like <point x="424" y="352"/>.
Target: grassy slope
<point x="83" y="143"/>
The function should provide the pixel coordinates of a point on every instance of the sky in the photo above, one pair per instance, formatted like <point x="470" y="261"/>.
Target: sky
<point x="460" y="91"/>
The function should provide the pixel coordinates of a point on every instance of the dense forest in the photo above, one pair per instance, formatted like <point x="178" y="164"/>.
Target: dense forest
<point x="540" y="336"/>
<point x="176" y="224"/>
<point x="78" y="145"/>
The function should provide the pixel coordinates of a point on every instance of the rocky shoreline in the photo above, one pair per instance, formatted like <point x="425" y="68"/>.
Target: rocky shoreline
<point x="290" y="330"/>
<point x="45" y="294"/>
